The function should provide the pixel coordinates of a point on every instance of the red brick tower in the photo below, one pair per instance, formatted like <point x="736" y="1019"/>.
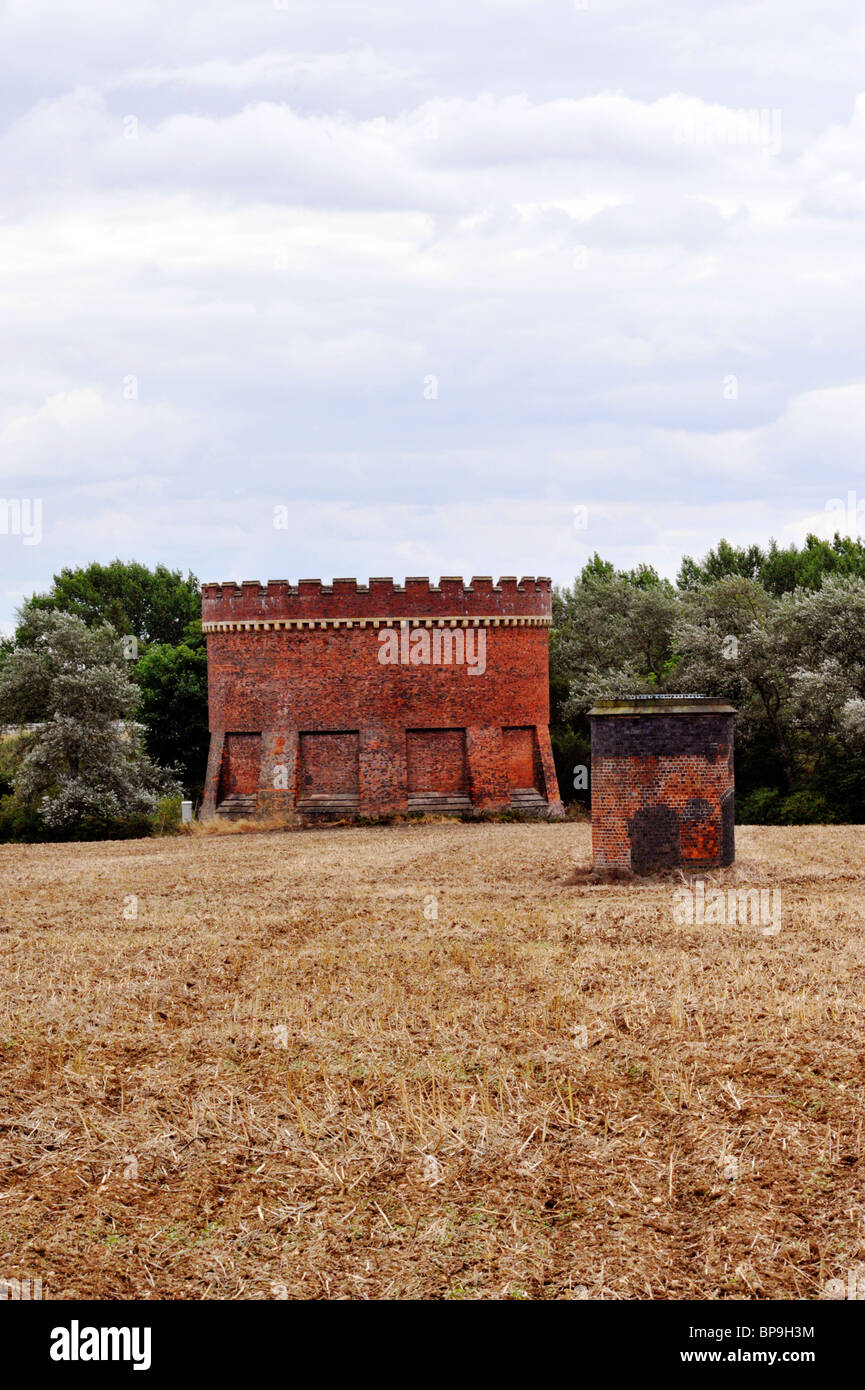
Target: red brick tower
<point x="662" y="783"/>
<point x="374" y="699"/>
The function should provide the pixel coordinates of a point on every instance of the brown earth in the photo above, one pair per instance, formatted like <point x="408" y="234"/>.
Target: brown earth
<point x="287" y="1076"/>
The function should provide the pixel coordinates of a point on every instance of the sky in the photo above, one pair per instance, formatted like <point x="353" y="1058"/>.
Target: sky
<point x="359" y="288"/>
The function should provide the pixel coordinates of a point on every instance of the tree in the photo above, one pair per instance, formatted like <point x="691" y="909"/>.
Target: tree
<point x="780" y="570"/>
<point x="829" y="624"/>
<point x="173" y="709"/>
<point x="779" y="632"/>
<point x="151" y="605"/>
<point x="85" y="765"/>
<point x="161" y="610"/>
<point x="732" y="639"/>
<point x="794" y="667"/>
<point x="828" y="706"/>
<point x="611" y="633"/>
<point x="726" y="561"/>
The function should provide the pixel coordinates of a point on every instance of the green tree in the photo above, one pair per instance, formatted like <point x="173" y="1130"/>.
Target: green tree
<point x="161" y="610"/>
<point x="726" y="561"/>
<point x="611" y="633"/>
<point x="734" y="639"/>
<point x="794" y="667"/>
<point x="153" y="605"/>
<point x="780" y="569"/>
<point x="85" y="768"/>
<point x="173" y="709"/>
<point x="779" y="632"/>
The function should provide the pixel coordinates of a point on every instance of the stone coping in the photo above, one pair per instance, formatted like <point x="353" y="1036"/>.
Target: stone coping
<point x="653" y="705"/>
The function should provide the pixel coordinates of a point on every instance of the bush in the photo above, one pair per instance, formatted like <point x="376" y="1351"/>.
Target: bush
<point x="165" y="820"/>
<point x="766" y="806"/>
<point x="136" y="827"/>
<point x="806" y="808"/>
<point x="18" y="823"/>
<point x="759" y="807"/>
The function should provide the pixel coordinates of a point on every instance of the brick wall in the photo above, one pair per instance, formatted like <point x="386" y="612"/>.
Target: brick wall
<point x="287" y="662"/>
<point x="662" y="785"/>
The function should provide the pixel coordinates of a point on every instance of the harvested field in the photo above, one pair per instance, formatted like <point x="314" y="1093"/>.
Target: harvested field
<point x="259" y="1066"/>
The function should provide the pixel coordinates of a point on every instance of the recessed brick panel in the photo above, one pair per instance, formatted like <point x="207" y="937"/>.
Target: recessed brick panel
<point x="241" y="765"/>
<point x="328" y="764"/>
<point x="436" y="760"/>
<point x="653" y="832"/>
<point x="521" y="757"/>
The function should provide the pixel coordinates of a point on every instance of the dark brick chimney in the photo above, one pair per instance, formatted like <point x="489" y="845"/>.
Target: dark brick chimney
<point x="662" y="783"/>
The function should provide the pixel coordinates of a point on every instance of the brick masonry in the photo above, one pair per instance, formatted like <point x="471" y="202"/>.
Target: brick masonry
<point x="662" y="784"/>
<point x="303" y="710"/>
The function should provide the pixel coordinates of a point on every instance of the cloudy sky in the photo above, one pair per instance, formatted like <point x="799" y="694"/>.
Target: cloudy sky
<point x="418" y="281"/>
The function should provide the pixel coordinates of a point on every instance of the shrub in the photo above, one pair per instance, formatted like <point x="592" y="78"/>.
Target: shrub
<point x="759" y="807"/>
<point x="806" y="808"/>
<point x="20" y="824"/>
<point x="165" y="820"/>
<point x="766" y="806"/>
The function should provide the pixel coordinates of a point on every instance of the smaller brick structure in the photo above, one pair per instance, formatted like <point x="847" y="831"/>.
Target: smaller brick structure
<point x="662" y="783"/>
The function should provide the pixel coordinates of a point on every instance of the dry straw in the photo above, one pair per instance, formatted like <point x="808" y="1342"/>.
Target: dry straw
<point x="252" y="1066"/>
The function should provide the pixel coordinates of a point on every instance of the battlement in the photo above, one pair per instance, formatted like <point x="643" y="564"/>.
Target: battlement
<point x="311" y="601"/>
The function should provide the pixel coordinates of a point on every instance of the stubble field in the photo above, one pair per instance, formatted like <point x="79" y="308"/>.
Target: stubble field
<point x="421" y="1062"/>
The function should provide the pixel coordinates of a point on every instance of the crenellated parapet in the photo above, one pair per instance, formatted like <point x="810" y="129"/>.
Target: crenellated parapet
<point x="310" y="603"/>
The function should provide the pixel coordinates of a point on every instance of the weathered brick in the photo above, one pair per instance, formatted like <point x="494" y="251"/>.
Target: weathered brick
<point x="294" y="672"/>
<point x="662" y="784"/>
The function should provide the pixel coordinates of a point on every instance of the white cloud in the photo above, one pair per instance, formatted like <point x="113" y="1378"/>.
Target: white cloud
<point x="80" y="435"/>
<point x="305" y="223"/>
<point x="321" y="73"/>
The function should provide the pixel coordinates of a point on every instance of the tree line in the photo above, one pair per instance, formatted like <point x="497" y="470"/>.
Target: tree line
<point x="780" y="632"/>
<point x="103" y="687"/>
